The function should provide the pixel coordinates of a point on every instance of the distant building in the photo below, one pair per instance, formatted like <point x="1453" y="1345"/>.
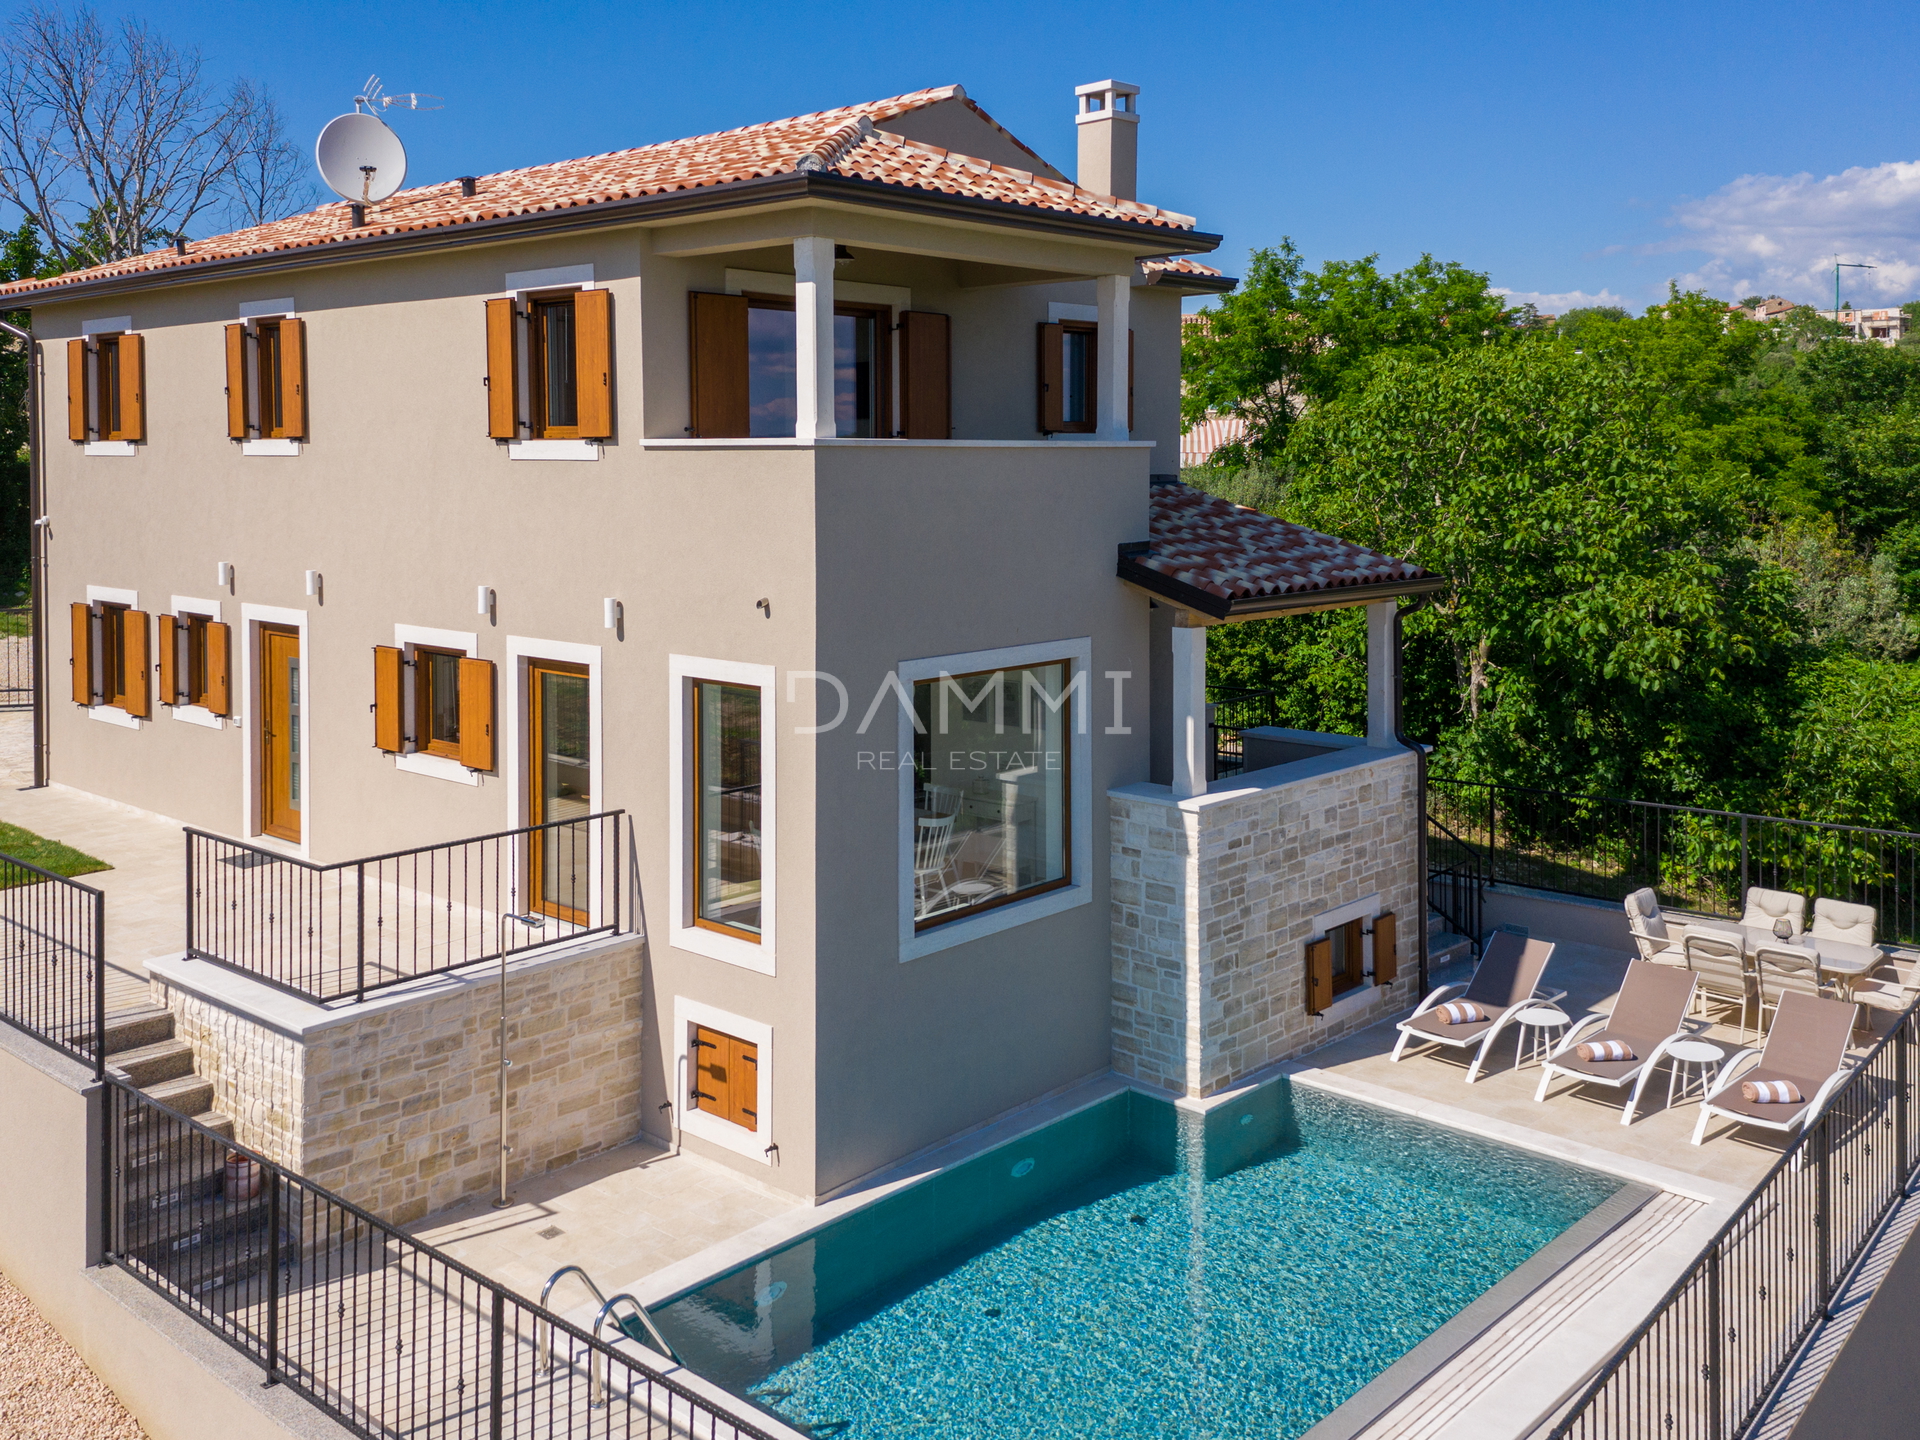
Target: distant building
<point x="1771" y="308"/>
<point x="1887" y="327"/>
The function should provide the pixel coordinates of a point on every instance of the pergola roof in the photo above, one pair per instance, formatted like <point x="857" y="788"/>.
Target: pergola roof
<point x="1232" y="563"/>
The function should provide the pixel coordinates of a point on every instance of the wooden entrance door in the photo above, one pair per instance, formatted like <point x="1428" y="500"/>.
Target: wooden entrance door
<point x="280" y="777"/>
<point x="560" y="788"/>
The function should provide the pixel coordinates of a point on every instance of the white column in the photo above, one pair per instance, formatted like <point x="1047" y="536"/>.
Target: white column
<point x="813" y="338"/>
<point x="1380" y="674"/>
<point x="1110" y="364"/>
<point x="1189" y="707"/>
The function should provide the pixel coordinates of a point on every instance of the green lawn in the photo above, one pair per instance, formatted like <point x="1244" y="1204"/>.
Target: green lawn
<point x="47" y="854"/>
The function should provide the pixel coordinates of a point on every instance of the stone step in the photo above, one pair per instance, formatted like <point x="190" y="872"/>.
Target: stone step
<point x="1446" y="949"/>
<point x="148" y="1065"/>
<point x="166" y="1168"/>
<point x="189" y="1094"/>
<point x="194" y="1223"/>
<point x="141" y="1026"/>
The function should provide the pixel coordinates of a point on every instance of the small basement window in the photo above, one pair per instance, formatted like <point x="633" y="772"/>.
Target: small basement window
<point x="726" y="1077"/>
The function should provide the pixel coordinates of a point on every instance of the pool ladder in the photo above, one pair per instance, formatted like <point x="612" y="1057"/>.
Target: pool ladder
<point x="631" y="1324"/>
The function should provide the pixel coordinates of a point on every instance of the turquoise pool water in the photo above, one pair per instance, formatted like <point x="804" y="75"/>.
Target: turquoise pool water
<point x="1134" y="1271"/>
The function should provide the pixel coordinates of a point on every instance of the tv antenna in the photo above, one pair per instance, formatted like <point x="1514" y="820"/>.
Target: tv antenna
<point x="1838" y="266"/>
<point x="362" y="161"/>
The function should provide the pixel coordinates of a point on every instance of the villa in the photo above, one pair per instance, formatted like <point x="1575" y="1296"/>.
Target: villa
<point x="650" y="714"/>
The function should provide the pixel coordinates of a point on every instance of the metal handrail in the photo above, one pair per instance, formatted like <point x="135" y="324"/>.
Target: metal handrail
<point x="316" y="866"/>
<point x="547" y="1290"/>
<point x="1678" y="809"/>
<point x="598" y="1378"/>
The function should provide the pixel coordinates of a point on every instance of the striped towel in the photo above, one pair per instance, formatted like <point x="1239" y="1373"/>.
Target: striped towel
<point x="1605" y="1050"/>
<point x="1771" y="1092"/>
<point x="1459" y="1012"/>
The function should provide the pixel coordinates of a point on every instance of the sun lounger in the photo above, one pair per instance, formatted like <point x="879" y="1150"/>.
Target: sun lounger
<point x="1649" y="1015"/>
<point x="1807" y="1046"/>
<point x="1506" y="981"/>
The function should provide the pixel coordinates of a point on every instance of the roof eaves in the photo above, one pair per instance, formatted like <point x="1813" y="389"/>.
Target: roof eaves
<point x="1220" y="607"/>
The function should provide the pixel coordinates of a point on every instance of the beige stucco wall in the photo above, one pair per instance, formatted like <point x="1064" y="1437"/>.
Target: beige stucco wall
<point x="869" y="553"/>
<point x="1214" y="901"/>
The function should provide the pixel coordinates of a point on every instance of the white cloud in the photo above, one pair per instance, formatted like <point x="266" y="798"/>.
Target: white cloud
<point x="1559" y="302"/>
<point x="1778" y="234"/>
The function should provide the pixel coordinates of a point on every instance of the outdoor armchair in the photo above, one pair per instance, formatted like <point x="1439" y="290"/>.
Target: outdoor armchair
<point x="1649" y="1015"/>
<point x="1656" y="941"/>
<point x="1766" y="906"/>
<point x="1506" y="981"/>
<point x="1839" y="920"/>
<point x="1778" y="969"/>
<point x="1807" y="1047"/>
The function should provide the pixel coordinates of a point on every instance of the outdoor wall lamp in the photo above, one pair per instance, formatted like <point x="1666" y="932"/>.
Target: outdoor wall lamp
<point x="314" y="583"/>
<point x="531" y="922"/>
<point x="483" y="600"/>
<point x="612" y="612"/>
<point x="223" y="573"/>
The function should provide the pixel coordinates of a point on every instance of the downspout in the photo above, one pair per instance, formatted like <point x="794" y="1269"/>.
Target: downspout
<point x="1419" y="787"/>
<point x="36" y="552"/>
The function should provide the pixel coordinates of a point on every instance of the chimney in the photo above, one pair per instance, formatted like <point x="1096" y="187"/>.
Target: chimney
<point x="1109" y="138"/>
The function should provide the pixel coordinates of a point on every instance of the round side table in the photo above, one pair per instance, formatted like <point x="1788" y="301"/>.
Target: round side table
<point x="1688" y="1062"/>
<point x="1535" y="1030"/>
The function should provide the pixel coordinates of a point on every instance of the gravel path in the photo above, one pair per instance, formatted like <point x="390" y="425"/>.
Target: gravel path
<point x="46" y="1391"/>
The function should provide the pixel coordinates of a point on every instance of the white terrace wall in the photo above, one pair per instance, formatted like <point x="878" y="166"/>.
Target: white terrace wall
<point x="1214" y="900"/>
<point x="393" y="1103"/>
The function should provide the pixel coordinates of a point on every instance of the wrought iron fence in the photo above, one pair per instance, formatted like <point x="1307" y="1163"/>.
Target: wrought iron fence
<point x="53" y="969"/>
<point x="328" y="931"/>
<point x="16" y="658"/>
<point x="385" y="1333"/>
<point x="1231" y="711"/>
<point x="1693" y="858"/>
<point x="1703" y="1364"/>
<point x="1457" y="878"/>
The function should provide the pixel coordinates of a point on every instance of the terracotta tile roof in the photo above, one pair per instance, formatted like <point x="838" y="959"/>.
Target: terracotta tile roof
<point x="849" y="141"/>
<point x="1178" y="265"/>
<point x="1224" y="559"/>
<point x="1208" y="435"/>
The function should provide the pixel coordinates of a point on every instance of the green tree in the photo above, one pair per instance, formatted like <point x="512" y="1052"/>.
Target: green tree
<point x="21" y="257"/>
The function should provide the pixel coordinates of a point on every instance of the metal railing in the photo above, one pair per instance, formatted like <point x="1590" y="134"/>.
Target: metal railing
<point x="385" y="1333"/>
<point x="1693" y="858"/>
<point x="1457" y="879"/>
<point x="53" y="967"/>
<point x="1703" y="1364"/>
<point x="1231" y="711"/>
<point x="16" y="657"/>
<point x="329" y="931"/>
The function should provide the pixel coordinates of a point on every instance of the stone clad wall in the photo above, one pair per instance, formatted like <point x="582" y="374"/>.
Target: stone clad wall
<point x="1213" y="903"/>
<point x="392" y="1104"/>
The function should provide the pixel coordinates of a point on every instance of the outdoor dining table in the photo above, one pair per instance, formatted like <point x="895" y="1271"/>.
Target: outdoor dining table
<point x="1842" y="959"/>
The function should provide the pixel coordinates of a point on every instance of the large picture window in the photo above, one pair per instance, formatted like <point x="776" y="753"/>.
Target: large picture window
<point x="990" y="789"/>
<point x="727" y="834"/>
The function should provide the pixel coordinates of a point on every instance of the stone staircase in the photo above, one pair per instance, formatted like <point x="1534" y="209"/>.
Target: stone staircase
<point x="1449" y="956"/>
<point x="179" y="1218"/>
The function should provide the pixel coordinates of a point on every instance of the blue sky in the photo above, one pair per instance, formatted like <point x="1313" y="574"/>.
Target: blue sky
<point x="1571" y="151"/>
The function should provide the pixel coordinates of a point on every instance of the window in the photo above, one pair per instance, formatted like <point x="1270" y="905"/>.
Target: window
<point x="991" y="783"/>
<point x="194" y="662"/>
<point x="433" y="702"/>
<point x="1347" y="959"/>
<point x="110" y="657"/>
<point x="771" y="367"/>
<point x="105" y="399"/>
<point x="745" y="375"/>
<point x="267" y="379"/>
<point x="1069" y="372"/>
<point x="727" y="832"/>
<point x="1337" y="962"/>
<point x="550" y="366"/>
<point x="726" y="1077"/>
<point x="860" y="370"/>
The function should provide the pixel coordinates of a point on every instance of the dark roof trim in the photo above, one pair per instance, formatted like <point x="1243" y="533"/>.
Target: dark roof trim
<point x="1190" y="597"/>
<point x="730" y="195"/>
<point x="1188" y="284"/>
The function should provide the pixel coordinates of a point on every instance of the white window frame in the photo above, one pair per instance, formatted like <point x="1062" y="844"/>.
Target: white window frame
<point x="682" y="734"/>
<point x="112" y="714"/>
<point x="415" y="761"/>
<point x="252" y="617"/>
<point x="199" y="714"/>
<point x="112" y="325"/>
<point x="1078" y="890"/>
<point x="754" y="1144"/>
<point x="282" y="447"/>
<point x="520" y="284"/>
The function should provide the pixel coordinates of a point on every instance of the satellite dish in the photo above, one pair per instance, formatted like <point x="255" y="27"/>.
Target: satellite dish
<point x="360" y="158"/>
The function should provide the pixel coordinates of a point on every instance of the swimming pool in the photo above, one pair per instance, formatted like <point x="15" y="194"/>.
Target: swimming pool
<point x="1135" y="1270"/>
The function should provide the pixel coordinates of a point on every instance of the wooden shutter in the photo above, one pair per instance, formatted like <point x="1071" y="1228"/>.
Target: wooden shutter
<point x="746" y="1085"/>
<point x="1386" y="949"/>
<point x="503" y="380"/>
<point x="219" y="668"/>
<point x="134" y="658"/>
<point x="726" y="1077"/>
<point x="133" y="399"/>
<point x="926" y="375"/>
<point x="82" y="653"/>
<point x="1053" y="386"/>
<point x="1319" y="975"/>
<point x="1129" y="382"/>
<point x="236" y="382"/>
<point x="476" y="714"/>
<point x="293" y="378"/>
<point x="386" y="698"/>
<point x="593" y="363"/>
<point x="170" y="631"/>
<point x="717" y="368"/>
<point x="76" y="389"/>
